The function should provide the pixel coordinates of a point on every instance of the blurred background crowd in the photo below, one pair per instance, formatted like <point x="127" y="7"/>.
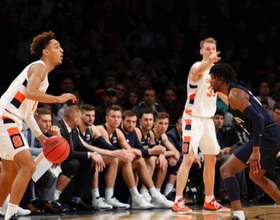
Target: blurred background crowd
<point x="142" y="43"/>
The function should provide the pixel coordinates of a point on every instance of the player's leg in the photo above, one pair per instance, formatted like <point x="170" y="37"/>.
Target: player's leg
<point x="266" y="184"/>
<point x="27" y="167"/>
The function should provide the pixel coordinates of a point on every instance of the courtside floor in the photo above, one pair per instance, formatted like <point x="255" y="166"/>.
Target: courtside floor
<point x="260" y="212"/>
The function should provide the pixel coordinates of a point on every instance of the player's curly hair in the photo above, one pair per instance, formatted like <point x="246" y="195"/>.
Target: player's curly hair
<point x="223" y="70"/>
<point x="40" y="42"/>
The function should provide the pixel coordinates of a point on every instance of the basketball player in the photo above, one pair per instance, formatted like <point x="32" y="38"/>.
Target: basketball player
<point x="259" y="153"/>
<point x="18" y="103"/>
<point x="199" y="129"/>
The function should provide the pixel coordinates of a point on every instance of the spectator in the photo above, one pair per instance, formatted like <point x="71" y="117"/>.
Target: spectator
<point x="149" y="101"/>
<point x="132" y="99"/>
<point x="109" y="98"/>
<point x="121" y="94"/>
<point x="276" y="112"/>
<point x="172" y="107"/>
<point x="264" y="94"/>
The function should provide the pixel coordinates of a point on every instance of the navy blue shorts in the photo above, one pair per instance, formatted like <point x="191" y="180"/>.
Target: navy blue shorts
<point x="269" y="149"/>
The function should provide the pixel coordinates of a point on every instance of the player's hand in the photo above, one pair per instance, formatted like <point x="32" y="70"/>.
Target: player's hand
<point x="123" y="155"/>
<point x="254" y="160"/>
<point x="137" y="152"/>
<point x="97" y="162"/>
<point x="197" y="160"/>
<point x="214" y="57"/>
<point x="42" y="138"/>
<point x="161" y="162"/>
<point x="172" y="161"/>
<point x="158" y="149"/>
<point x="67" y="96"/>
<point x="55" y="130"/>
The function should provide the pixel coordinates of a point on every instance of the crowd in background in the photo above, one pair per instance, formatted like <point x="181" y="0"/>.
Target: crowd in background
<point x="130" y="38"/>
<point x="137" y="53"/>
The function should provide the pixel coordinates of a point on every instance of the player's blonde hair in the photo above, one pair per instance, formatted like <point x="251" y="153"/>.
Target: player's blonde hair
<point x="208" y="40"/>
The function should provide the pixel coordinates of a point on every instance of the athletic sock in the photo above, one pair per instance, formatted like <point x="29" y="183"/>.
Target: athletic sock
<point x="209" y="198"/>
<point x="109" y="192"/>
<point x="239" y="214"/>
<point x="133" y="191"/>
<point x="95" y="193"/>
<point x="11" y="210"/>
<point x="168" y="188"/>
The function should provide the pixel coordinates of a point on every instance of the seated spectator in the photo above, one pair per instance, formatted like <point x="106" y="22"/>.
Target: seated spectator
<point x="172" y="107"/>
<point x="149" y="102"/>
<point x="109" y="98"/>
<point x="264" y="94"/>
<point x="121" y="93"/>
<point x="276" y="112"/>
<point x="132" y="99"/>
<point x="60" y="113"/>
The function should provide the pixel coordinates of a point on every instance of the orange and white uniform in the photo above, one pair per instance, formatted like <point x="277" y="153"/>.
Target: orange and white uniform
<point x="198" y="125"/>
<point x="14" y="109"/>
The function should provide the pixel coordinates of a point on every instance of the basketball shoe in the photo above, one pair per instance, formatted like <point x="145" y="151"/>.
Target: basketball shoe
<point x="214" y="206"/>
<point x="180" y="207"/>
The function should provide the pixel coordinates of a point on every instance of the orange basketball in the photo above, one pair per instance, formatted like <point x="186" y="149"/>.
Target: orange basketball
<point x="56" y="149"/>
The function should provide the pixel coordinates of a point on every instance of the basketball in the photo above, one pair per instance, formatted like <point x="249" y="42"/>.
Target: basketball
<point x="56" y="149"/>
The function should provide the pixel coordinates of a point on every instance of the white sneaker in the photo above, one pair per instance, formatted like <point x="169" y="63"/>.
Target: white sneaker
<point x="20" y="211"/>
<point x="160" y="201"/>
<point x="100" y="204"/>
<point x="116" y="203"/>
<point x="138" y="202"/>
<point x="147" y="197"/>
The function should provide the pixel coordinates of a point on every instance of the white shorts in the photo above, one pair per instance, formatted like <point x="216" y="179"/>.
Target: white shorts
<point x="199" y="132"/>
<point x="12" y="139"/>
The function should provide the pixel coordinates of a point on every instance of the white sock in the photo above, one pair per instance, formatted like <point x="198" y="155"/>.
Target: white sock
<point x="209" y="198"/>
<point x="153" y="192"/>
<point x="95" y="193"/>
<point x="177" y="198"/>
<point x="56" y="194"/>
<point x="239" y="214"/>
<point x="11" y="210"/>
<point x="133" y="191"/>
<point x="158" y="189"/>
<point x="168" y="188"/>
<point x="109" y="192"/>
<point x="143" y="191"/>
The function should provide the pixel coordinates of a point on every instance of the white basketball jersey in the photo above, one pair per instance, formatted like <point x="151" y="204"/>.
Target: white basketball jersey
<point x="201" y="100"/>
<point x="14" y="99"/>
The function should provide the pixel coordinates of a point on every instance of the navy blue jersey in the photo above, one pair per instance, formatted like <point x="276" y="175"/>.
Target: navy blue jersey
<point x="256" y="104"/>
<point x="158" y="141"/>
<point x="87" y="137"/>
<point x="113" y="139"/>
<point x="270" y="143"/>
<point x="133" y="141"/>
<point x="145" y="142"/>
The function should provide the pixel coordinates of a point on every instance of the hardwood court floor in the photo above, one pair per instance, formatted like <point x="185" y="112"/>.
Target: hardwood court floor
<point x="260" y="212"/>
